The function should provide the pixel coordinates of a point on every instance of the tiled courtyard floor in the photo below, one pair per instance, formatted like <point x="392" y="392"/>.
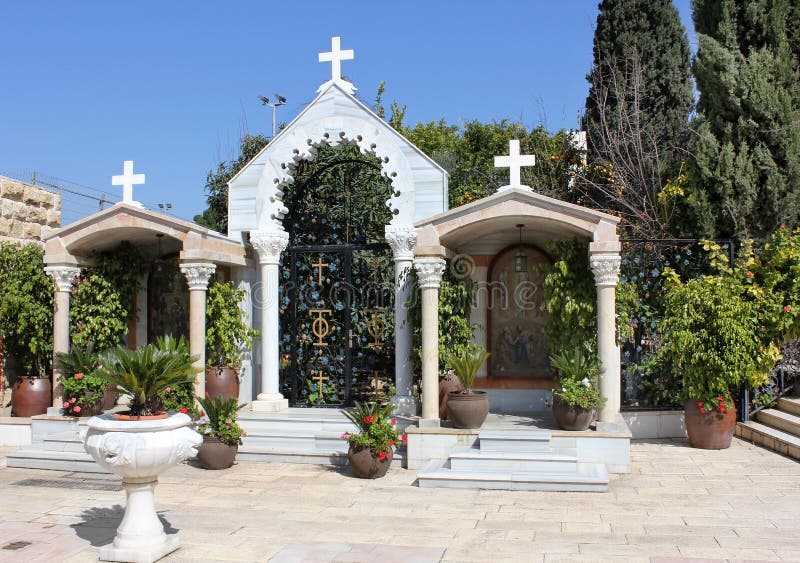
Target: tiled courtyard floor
<point x="738" y="504"/>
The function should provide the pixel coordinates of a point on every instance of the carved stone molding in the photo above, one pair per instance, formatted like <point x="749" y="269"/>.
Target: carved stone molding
<point x="429" y="272"/>
<point x="606" y="269"/>
<point x="269" y="245"/>
<point x="402" y="239"/>
<point x="64" y="276"/>
<point x="198" y="274"/>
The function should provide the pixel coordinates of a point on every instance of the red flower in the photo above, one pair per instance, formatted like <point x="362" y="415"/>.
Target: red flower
<point x="702" y="410"/>
<point x="700" y="405"/>
<point x="381" y="455"/>
<point x="76" y="408"/>
<point x="184" y="410"/>
<point x="787" y="309"/>
<point x="79" y="375"/>
<point x="750" y="274"/>
<point x="391" y="443"/>
<point x="719" y="398"/>
<point x="202" y="413"/>
<point x="368" y="419"/>
<point x="404" y="439"/>
<point x="207" y="395"/>
<point x="394" y="422"/>
<point x="721" y="408"/>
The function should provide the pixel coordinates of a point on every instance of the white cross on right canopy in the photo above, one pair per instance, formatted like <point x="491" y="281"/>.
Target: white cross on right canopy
<point x="514" y="162"/>
<point x="335" y="56"/>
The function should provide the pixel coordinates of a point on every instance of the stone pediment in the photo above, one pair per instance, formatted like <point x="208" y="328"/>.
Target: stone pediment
<point x="256" y="192"/>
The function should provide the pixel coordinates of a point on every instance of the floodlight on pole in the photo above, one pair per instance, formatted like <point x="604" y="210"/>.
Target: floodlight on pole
<point x="280" y="101"/>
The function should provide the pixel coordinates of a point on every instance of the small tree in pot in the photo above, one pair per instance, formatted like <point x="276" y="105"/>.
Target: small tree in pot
<point x="576" y="397"/>
<point x="467" y="408"/>
<point x="227" y="336"/>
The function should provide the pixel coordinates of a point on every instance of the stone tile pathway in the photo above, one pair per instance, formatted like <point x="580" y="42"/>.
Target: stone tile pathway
<point x="677" y="503"/>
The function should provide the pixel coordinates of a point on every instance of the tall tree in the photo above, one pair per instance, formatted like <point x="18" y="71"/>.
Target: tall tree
<point x="637" y="111"/>
<point x="746" y="171"/>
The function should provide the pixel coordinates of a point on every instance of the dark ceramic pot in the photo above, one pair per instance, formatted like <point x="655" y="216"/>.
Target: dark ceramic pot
<point x="31" y="396"/>
<point x="214" y="454"/>
<point x="366" y="465"/>
<point x="109" y="400"/>
<point x="449" y="383"/>
<point x="467" y="410"/>
<point x="222" y="382"/>
<point x="710" y="430"/>
<point x="571" y="417"/>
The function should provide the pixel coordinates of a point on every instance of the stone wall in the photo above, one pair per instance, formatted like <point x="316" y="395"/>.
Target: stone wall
<point x="27" y="213"/>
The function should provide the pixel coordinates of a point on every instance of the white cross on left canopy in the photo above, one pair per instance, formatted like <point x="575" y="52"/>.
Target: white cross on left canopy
<point x="127" y="180"/>
<point x="514" y="162"/>
<point x="335" y="56"/>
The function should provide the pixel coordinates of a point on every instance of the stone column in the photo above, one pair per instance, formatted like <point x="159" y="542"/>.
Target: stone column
<point x="64" y="277"/>
<point x="605" y="266"/>
<point x="402" y="239"/>
<point x="429" y="272"/>
<point x="269" y="245"/>
<point x="197" y="275"/>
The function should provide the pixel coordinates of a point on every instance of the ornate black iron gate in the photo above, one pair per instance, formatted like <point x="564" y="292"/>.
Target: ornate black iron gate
<point x="337" y="322"/>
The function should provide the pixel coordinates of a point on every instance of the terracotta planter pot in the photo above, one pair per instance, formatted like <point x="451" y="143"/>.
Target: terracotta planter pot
<point x="366" y="465"/>
<point x="710" y="430"/>
<point x="570" y="417"/>
<point x="127" y="416"/>
<point x="31" y="396"/>
<point x="467" y="410"/>
<point x="223" y="382"/>
<point x="214" y="454"/>
<point x="449" y="383"/>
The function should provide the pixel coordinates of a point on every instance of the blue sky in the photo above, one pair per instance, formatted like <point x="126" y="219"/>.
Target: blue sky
<point x="172" y="85"/>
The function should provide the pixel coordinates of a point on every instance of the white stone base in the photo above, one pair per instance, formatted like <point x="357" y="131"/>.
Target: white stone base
<point x="15" y="431"/>
<point x="406" y="405"/>
<point x="266" y="402"/>
<point x="655" y="424"/>
<point x="141" y="555"/>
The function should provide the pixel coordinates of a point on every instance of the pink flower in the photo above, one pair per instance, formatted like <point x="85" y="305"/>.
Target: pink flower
<point x="76" y="408"/>
<point x="346" y="436"/>
<point x="168" y="390"/>
<point x="228" y="421"/>
<point x="66" y="404"/>
<point x="73" y="400"/>
<point x="79" y="375"/>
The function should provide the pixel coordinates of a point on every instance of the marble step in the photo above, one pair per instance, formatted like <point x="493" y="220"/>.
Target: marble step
<point x="294" y="441"/>
<point x="63" y="442"/>
<point x="315" y="457"/>
<point x="790" y="405"/>
<point x="783" y="421"/>
<point x="34" y="458"/>
<point x="514" y="441"/>
<point x="770" y="438"/>
<point x="587" y="477"/>
<point x="295" y="424"/>
<point x="476" y="459"/>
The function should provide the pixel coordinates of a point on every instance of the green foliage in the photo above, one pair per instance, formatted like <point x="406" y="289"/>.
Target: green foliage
<point x="466" y="363"/>
<point x="227" y="335"/>
<point x="576" y="383"/>
<point x="97" y="315"/>
<point x="180" y="397"/>
<point x="712" y="336"/>
<point x="122" y="267"/>
<point x="144" y="373"/>
<point x="746" y="172"/>
<point x="26" y="308"/>
<point x="220" y="420"/>
<point x="376" y="430"/>
<point x="83" y="388"/>
<point x="216" y="215"/>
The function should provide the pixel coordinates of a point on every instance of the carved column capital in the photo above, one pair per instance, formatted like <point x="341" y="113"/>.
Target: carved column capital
<point x="402" y="239"/>
<point x="198" y="274"/>
<point x="429" y="272"/>
<point x="64" y="276"/>
<point x="269" y="244"/>
<point x="605" y="268"/>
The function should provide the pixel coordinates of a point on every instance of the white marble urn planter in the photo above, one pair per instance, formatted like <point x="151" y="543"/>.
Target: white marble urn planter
<point x="139" y="451"/>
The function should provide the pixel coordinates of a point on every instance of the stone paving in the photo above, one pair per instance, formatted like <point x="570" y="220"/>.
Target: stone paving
<point x="677" y="503"/>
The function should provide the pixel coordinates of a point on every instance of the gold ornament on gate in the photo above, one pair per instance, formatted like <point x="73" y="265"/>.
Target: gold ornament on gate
<point x="376" y="327"/>
<point x="320" y="326"/>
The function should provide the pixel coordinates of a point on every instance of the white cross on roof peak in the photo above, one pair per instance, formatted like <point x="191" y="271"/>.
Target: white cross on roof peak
<point x="335" y="56"/>
<point x="514" y="162"/>
<point x="127" y="180"/>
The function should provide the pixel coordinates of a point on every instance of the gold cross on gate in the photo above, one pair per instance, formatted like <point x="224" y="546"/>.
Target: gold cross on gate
<point x="320" y="379"/>
<point x="319" y="265"/>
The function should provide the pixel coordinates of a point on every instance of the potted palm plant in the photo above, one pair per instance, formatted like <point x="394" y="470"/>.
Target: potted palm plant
<point x="227" y="337"/>
<point x="372" y="447"/>
<point x="142" y="444"/>
<point x="467" y="408"/>
<point x="26" y="326"/>
<point x="575" y="396"/>
<point x="222" y="435"/>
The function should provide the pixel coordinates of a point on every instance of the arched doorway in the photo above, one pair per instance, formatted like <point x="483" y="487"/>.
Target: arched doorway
<point x="516" y="324"/>
<point x="337" y="281"/>
<point x="167" y="299"/>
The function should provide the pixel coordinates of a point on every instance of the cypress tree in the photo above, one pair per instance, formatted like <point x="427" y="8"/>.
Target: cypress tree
<point x="745" y="176"/>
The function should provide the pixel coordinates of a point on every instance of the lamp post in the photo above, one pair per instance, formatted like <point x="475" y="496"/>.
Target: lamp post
<point x="280" y="101"/>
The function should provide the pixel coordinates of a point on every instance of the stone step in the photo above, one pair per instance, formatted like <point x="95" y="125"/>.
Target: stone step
<point x="790" y="405"/>
<point x="296" y="425"/>
<point x="588" y="477"/>
<point x="783" y="421"/>
<point x="514" y="441"/>
<point x="295" y="441"/>
<point x="770" y="438"/>
<point x="475" y="459"/>
<point x="316" y="457"/>
<point x="31" y="458"/>
<point x="63" y="442"/>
